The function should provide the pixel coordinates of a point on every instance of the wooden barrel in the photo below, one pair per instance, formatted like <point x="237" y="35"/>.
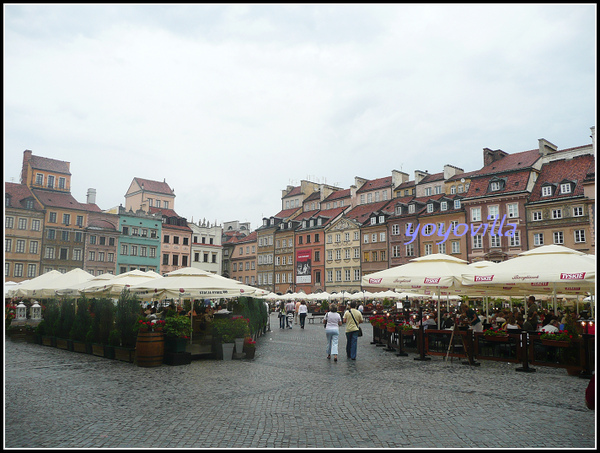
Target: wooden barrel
<point x="150" y="349"/>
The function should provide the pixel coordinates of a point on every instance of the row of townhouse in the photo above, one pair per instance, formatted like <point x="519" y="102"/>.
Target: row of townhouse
<point x="46" y="228"/>
<point x="326" y="238"/>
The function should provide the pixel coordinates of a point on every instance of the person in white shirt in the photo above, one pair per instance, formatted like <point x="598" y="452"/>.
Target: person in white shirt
<point x="551" y="327"/>
<point x="332" y="322"/>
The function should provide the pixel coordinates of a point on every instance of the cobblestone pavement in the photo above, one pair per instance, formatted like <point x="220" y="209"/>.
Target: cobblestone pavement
<point x="289" y="396"/>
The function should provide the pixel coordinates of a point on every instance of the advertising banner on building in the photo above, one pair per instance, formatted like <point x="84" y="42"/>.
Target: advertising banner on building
<point x="303" y="262"/>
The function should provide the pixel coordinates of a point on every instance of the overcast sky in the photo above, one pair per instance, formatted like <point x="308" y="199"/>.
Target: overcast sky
<point x="231" y="103"/>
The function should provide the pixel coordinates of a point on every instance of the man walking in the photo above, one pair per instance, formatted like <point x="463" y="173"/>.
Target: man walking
<point x="352" y="318"/>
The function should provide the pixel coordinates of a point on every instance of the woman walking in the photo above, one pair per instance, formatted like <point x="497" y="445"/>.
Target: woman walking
<point x="332" y="322"/>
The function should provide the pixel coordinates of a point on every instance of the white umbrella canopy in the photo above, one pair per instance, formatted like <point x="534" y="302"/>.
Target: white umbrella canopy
<point x="73" y="277"/>
<point x="547" y="269"/>
<point x="28" y="287"/>
<point x="9" y="286"/>
<point x="192" y="282"/>
<point x="319" y="296"/>
<point x="77" y="289"/>
<point x="342" y="295"/>
<point x="114" y="286"/>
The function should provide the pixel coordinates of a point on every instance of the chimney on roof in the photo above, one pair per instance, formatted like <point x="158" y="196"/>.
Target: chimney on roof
<point x="419" y="175"/>
<point x="451" y="170"/>
<point x="398" y="178"/>
<point x="546" y="147"/>
<point x="25" y="169"/>
<point x="91" y="196"/>
<point x="490" y="156"/>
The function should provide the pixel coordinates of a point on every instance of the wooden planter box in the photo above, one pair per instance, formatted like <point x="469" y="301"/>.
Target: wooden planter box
<point x="48" y="340"/>
<point x="63" y="343"/>
<point x="124" y="354"/>
<point x="98" y="349"/>
<point x="556" y="343"/>
<point x="79" y="346"/>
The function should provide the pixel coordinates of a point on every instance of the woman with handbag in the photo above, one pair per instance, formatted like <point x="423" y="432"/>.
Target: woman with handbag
<point x="352" y="319"/>
<point x="332" y="322"/>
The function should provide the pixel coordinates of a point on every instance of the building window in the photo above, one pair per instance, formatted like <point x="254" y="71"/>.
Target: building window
<point x="559" y="237"/>
<point x="515" y="239"/>
<point x="395" y="229"/>
<point x="578" y="211"/>
<point x="546" y="191"/>
<point x="557" y="213"/>
<point x="51" y="234"/>
<point x="50" y="182"/>
<point x="536" y="215"/>
<point x="7" y="245"/>
<point x="444" y="206"/>
<point x="494" y="240"/>
<point x="456" y="204"/>
<point x="62" y="183"/>
<point x="66" y="219"/>
<point x="64" y="236"/>
<point x="92" y="256"/>
<point x="77" y="254"/>
<point x="33" y="247"/>
<point x="49" y="253"/>
<point x="20" y="246"/>
<point x="31" y="270"/>
<point x="494" y="186"/>
<point x="538" y="239"/>
<point x="36" y="225"/>
<point x="455" y="246"/>
<point x="64" y="254"/>
<point x="18" y="269"/>
<point x="39" y="179"/>
<point x="165" y="260"/>
<point x="565" y="188"/>
<point x="428" y="249"/>
<point x="442" y="248"/>
<point x="513" y="210"/>
<point x="395" y="251"/>
<point x="476" y="214"/>
<point x="477" y="241"/>
<point x="430" y="207"/>
<point x="579" y="236"/>
<point x="493" y="212"/>
<point x="52" y="217"/>
<point x="124" y="249"/>
<point x="410" y="250"/>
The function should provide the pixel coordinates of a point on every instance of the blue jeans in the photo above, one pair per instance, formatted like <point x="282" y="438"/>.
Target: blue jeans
<point x="282" y="321"/>
<point x="332" y="341"/>
<point x="351" y="343"/>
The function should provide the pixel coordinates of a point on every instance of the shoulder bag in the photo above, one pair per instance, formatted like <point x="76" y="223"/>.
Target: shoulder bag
<point x="325" y="320"/>
<point x="359" y="328"/>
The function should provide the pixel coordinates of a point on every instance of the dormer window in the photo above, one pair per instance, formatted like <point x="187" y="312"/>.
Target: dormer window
<point x="373" y="220"/>
<point x="444" y="206"/>
<point x="381" y="219"/>
<point x="265" y="222"/>
<point x="304" y="224"/>
<point x="453" y="189"/>
<point x="398" y="210"/>
<point x="429" y="207"/>
<point x="319" y="221"/>
<point x="494" y="185"/>
<point x="546" y="191"/>
<point x="411" y="208"/>
<point x="456" y="204"/>
<point x="566" y="187"/>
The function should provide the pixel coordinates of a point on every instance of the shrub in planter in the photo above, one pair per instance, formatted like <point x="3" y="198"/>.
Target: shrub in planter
<point x="177" y="326"/>
<point x="128" y="309"/>
<point x="66" y="318"/>
<point x="52" y="317"/>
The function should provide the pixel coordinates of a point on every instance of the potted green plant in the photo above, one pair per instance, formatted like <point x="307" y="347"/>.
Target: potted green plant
<point x="80" y="326"/>
<point x="127" y="310"/>
<point x="223" y="332"/>
<point x="177" y="331"/>
<point x="249" y="347"/>
<point x="65" y="324"/>
<point x="240" y="331"/>
<point x="51" y="317"/>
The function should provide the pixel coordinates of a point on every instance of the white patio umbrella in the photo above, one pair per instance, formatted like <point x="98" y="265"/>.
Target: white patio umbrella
<point x="27" y="288"/>
<point x="426" y="273"/>
<point x="73" y="277"/>
<point x="9" y="286"/>
<point x="114" y="286"/>
<point x="192" y="282"/>
<point x="549" y="269"/>
<point x="319" y="296"/>
<point x="77" y="289"/>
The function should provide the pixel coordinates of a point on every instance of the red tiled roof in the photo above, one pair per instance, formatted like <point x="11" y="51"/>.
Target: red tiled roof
<point x="163" y="211"/>
<point x="514" y="182"/>
<point x="47" y="164"/>
<point x="337" y="195"/>
<point x="293" y="192"/>
<point x="285" y="213"/>
<point x="375" y="184"/>
<point x="313" y="196"/>
<point x="558" y="171"/>
<point x="18" y="193"/>
<point x="154" y="186"/>
<point x="511" y="162"/>
<point x="91" y="207"/>
<point x="466" y="175"/>
<point x="57" y="199"/>
<point x="432" y="178"/>
<point x="362" y="212"/>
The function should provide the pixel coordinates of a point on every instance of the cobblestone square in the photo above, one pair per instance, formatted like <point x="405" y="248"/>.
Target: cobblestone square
<point x="289" y="396"/>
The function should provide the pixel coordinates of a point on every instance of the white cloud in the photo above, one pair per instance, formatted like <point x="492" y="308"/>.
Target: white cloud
<point x="230" y="103"/>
